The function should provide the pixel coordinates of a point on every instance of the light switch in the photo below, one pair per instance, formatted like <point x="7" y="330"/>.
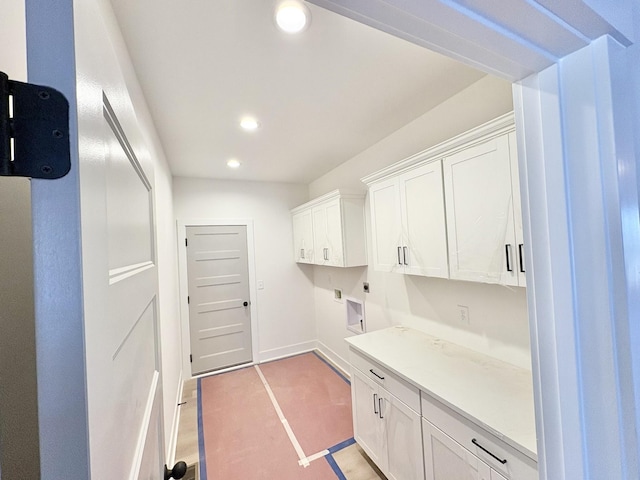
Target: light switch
<point x="260" y="285"/>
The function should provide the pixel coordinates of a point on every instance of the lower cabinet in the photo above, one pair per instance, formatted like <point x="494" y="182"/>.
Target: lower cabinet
<point x="387" y="429"/>
<point x="446" y="459"/>
<point x="410" y="435"/>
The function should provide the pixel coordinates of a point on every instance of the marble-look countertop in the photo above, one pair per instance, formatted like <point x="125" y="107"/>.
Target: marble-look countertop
<point x="494" y="395"/>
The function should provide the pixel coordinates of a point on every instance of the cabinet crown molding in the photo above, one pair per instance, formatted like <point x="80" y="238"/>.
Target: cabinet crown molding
<point x="497" y="126"/>
<point x="339" y="193"/>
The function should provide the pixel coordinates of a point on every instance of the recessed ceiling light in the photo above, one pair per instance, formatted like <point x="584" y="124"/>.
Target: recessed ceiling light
<point x="292" y="16"/>
<point x="249" y="123"/>
<point x="233" y="163"/>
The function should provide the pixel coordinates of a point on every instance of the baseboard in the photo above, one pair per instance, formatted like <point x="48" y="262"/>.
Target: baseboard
<point x="283" y="352"/>
<point x="173" y="442"/>
<point x="333" y="357"/>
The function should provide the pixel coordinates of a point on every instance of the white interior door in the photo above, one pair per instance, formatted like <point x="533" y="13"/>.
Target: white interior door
<point x="120" y="279"/>
<point x="218" y="283"/>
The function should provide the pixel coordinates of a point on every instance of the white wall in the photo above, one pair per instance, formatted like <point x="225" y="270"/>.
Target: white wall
<point x="498" y="317"/>
<point x="19" y="451"/>
<point x="285" y="306"/>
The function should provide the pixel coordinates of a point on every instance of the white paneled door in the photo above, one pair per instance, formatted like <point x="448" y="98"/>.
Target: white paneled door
<point x="219" y="313"/>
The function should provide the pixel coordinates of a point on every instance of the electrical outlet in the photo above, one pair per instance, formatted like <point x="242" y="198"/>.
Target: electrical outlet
<point x="463" y="314"/>
<point x="260" y="285"/>
<point x="337" y="295"/>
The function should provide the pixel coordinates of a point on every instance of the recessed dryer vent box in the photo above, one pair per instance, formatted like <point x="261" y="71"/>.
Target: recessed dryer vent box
<point x="355" y="315"/>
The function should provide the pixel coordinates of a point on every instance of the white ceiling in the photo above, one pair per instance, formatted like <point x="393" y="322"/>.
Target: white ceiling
<point x="322" y="96"/>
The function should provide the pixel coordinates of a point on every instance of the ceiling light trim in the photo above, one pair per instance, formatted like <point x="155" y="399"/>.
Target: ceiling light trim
<point x="292" y="16"/>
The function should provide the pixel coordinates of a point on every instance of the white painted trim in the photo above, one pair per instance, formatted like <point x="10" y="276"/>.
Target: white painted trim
<point x="493" y="128"/>
<point x="339" y="193"/>
<point x="118" y="274"/>
<point x="175" y="427"/>
<point x="146" y="421"/>
<point x="288" y="351"/>
<point x="340" y="363"/>
<point x="181" y="232"/>
<point x="224" y="370"/>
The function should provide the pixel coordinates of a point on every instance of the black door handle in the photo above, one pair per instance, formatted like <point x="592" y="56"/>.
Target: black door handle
<point x="246" y="304"/>
<point x="179" y="470"/>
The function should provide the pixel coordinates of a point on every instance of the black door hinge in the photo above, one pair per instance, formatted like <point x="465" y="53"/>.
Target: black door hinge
<point x="34" y="131"/>
<point x="190" y="358"/>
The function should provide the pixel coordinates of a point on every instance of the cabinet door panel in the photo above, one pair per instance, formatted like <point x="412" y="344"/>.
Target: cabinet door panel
<point x="422" y="200"/>
<point x="319" y="235"/>
<point x="367" y="426"/>
<point x="517" y="212"/>
<point x="480" y="213"/>
<point x="446" y="459"/>
<point x="403" y="440"/>
<point x="496" y="476"/>
<point x="385" y="226"/>
<point x="334" y="241"/>
<point x="303" y="237"/>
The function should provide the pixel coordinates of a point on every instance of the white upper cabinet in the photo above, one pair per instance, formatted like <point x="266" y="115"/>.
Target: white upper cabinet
<point x="452" y="211"/>
<point x="332" y="229"/>
<point x="303" y="236"/>
<point x="408" y="222"/>
<point x="481" y="225"/>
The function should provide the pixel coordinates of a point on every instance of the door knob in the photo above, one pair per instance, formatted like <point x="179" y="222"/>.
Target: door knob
<point x="179" y="470"/>
<point x="246" y="304"/>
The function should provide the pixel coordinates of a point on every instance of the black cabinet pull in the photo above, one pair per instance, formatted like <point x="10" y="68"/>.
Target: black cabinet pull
<point x="380" y="407"/>
<point x="399" y="255"/>
<point x="507" y="251"/>
<point x="406" y="255"/>
<point x="245" y="304"/>
<point x="475" y="442"/>
<point x="521" y="254"/>
<point x="371" y="370"/>
<point x="375" y="400"/>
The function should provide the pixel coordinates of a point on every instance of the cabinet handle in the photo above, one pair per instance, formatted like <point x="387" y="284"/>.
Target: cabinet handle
<point x="371" y="370"/>
<point x="406" y="255"/>
<point x="507" y="251"/>
<point x="521" y="254"/>
<point x="380" y="407"/>
<point x="399" y="255"/>
<point x="475" y="442"/>
<point x="375" y="400"/>
<point x="302" y="253"/>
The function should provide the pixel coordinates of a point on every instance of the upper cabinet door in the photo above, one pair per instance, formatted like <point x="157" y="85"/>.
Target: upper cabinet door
<point x="520" y="267"/>
<point x="333" y="237"/>
<point x="386" y="226"/>
<point x="319" y="215"/>
<point x="480" y="224"/>
<point x="303" y="237"/>
<point x="423" y="219"/>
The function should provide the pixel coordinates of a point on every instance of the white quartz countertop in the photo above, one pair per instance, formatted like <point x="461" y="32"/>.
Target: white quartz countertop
<point x="492" y="394"/>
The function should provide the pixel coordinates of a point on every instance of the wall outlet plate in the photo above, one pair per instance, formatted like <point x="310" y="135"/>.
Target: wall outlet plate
<point x="463" y="314"/>
<point x="337" y="295"/>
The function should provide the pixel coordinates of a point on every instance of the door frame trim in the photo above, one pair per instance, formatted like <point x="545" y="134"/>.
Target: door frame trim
<point x="183" y="282"/>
